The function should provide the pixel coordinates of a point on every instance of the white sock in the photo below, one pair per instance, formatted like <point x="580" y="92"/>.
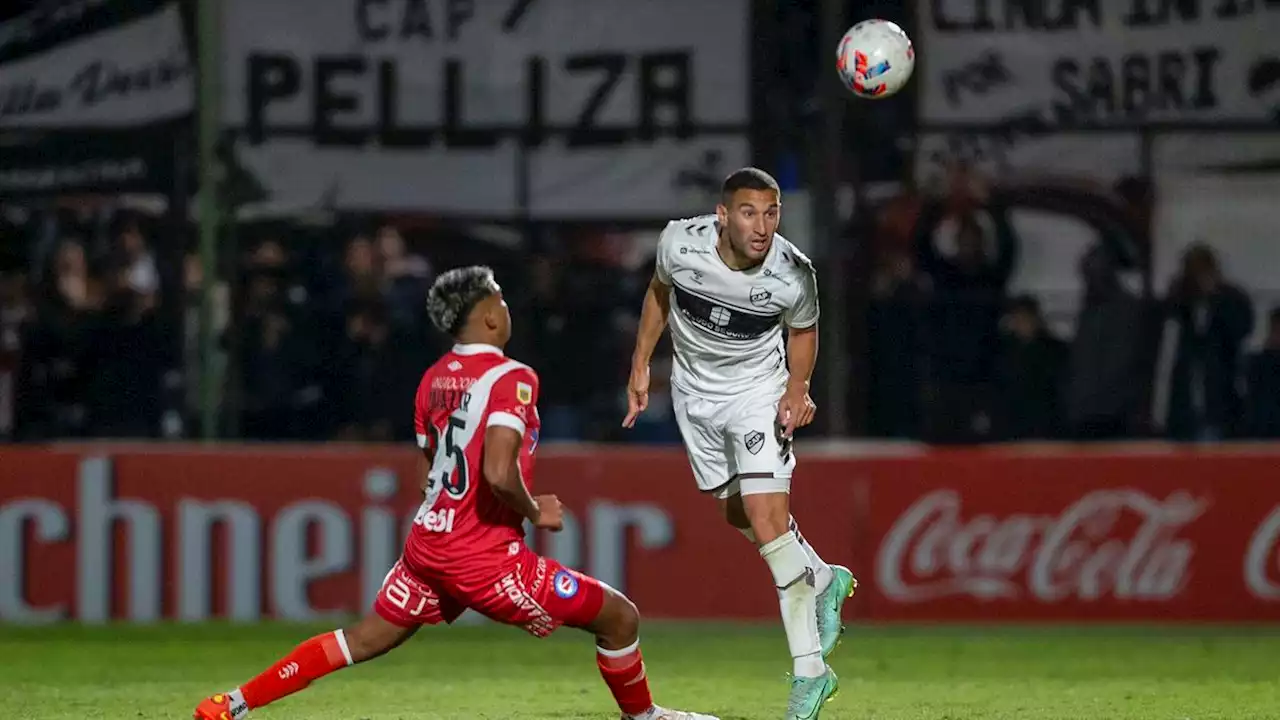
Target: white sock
<point x="798" y="598"/>
<point x="822" y="574"/>
<point x="239" y="708"/>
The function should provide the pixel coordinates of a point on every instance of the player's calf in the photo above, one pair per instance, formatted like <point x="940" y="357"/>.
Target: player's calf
<point x="617" y="631"/>
<point x="306" y="663"/>
<point x="768" y="510"/>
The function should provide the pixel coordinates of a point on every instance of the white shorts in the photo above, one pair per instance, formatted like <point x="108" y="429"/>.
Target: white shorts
<point x="734" y="445"/>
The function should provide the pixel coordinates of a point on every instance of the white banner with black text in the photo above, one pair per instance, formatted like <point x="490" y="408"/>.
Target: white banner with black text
<point x="1100" y="62"/>
<point x="1000" y="82"/>
<point x="104" y="67"/>
<point x="542" y="108"/>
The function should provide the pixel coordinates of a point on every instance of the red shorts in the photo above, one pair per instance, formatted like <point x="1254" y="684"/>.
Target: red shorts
<point x="525" y="590"/>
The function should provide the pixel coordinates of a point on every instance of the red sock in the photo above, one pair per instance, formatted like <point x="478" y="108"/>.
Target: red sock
<point x="310" y="661"/>
<point x="623" y="672"/>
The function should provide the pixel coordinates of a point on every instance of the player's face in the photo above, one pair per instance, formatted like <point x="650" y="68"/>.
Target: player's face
<point x="498" y="316"/>
<point x="750" y="219"/>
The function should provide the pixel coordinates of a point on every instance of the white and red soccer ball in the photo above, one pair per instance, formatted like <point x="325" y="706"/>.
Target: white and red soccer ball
<point x="875" y="59"/>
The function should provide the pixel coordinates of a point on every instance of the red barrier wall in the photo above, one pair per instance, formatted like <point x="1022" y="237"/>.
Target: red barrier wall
<point x="148" y="532"/>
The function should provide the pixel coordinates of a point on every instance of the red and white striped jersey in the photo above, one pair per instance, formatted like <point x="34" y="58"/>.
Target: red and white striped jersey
<point x="471" y="388"/>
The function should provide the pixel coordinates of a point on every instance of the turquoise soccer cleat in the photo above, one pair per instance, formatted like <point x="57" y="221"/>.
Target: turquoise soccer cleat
<point x="830" y="603"/>
<point x="808" y="695"/>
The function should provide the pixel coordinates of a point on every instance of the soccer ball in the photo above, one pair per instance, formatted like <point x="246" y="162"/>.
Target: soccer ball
<point x="875" y="59"/>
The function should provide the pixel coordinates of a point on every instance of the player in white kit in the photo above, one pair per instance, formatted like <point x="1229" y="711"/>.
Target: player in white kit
<point x="727" y="285"/>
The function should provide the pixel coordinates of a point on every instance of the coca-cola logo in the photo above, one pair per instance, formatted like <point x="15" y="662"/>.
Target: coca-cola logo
<point x="1262" y="560"/>
<point x="1120" y="543"/>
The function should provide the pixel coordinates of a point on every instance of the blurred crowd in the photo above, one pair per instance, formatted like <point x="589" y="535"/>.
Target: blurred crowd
<point x="84" y="347"/>
<point x="955" y="357"/>
<point x="321" y="332"/>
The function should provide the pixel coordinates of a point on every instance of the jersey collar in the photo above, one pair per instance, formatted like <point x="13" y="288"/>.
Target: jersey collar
<point x="476" y="349"/>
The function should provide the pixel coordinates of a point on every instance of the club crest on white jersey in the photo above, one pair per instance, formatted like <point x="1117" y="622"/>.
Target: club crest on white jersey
<point x="726" y="325"/>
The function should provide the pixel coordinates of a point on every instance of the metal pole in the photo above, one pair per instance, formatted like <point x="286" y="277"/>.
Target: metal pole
<point x="826" y="152"/>
<point x="208" y="32"/>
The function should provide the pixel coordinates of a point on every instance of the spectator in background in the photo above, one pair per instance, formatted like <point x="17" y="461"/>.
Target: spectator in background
<point x="69" y="299"/>
<point x="546" y="335"/>
<point x="273" y="363"/>
<point x="360" y="283"/>
<point x="406" y="277"/>
<point x="1210" y="320"/>
<point x="266" y="279"/>
<point x="282" y="338"/>
<point x="129" y="352"/>
<point x="893" y="340"/>
<point x="1263" y="397"/>
<point x="1029" y="374"/>
<point x="71" y="289"/>
<point x="1108" y="369"/>
<point x="137" y="264"/>
<point x="15" y="316"/>
<point x="377" y="378"/>
<point x="599" y="296"/>
<point x="968" y="298"/>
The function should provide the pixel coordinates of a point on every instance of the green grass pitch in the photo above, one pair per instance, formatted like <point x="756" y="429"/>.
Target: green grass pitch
<point x="736" y="672"/>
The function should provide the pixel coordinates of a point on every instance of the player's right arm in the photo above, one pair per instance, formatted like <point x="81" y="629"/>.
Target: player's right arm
<point x="512" y="398"/>
<point x="653" y="320"/>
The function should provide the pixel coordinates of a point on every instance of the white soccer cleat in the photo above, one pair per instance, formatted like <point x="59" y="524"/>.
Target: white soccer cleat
<point x="657" y="713"/>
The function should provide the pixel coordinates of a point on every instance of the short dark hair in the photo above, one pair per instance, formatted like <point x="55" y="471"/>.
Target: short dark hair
<point x="455" y="294"/>
<point x="748" y="178"/>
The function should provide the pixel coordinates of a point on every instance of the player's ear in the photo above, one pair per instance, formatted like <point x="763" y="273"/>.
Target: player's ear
<point x="722" y="213"/>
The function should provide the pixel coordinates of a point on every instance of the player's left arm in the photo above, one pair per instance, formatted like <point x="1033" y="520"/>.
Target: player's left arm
<point x="512" y="405"/>
<point x="796" y="408"/>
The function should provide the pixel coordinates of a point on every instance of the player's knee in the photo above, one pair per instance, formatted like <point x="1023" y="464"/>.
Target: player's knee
<point x="618" y="624"/>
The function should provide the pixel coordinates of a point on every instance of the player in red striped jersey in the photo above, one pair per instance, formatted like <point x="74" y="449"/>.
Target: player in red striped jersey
<point x="477" y="425"/>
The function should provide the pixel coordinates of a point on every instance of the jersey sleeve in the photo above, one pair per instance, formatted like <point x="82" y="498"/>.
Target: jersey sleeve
<point x="420" y="414"/>
<point x="666" y="246"/>
<point x="512" y="399"/>
<point x="803" y="313"/>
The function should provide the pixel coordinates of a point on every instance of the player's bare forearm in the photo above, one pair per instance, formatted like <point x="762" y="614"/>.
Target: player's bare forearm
<point x="653" y="320"/>
<point x="502" y="471"/>
<point x="424" y="468"/>
<point x="802" y="354"/>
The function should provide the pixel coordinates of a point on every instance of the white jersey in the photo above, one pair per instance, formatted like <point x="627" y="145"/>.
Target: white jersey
<point x="726" y="325"/>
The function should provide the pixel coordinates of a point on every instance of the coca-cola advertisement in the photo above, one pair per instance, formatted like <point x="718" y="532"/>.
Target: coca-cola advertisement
<point x="1003" y="536"/>
<point x="144" y="533"/>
